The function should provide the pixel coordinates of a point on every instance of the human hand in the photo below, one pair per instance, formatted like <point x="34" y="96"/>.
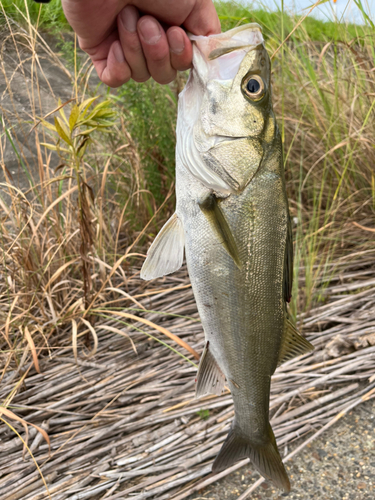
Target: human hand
<point x="124" y="44"/>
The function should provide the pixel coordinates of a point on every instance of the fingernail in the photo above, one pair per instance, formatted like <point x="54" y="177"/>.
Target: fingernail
<point x="119" y="55"/>
<point x="176" y="41"/>
<point x="149" y="30"/>
<point x="129" y="17"/>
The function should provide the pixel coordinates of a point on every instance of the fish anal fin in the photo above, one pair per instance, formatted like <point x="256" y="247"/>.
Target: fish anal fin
<point x="265" y="457"/>
<point x="293" y="344"/>
<point x="166" y="253"/>
<point x="210" y="378"/>
<point x="213" y="213"/>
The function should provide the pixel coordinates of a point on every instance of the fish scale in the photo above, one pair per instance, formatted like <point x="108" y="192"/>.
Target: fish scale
<point x="232" y="219"/>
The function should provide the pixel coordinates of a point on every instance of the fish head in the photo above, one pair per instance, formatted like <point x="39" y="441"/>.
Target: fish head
<point x="226" y="105"/>
<point x="234" y="71"/>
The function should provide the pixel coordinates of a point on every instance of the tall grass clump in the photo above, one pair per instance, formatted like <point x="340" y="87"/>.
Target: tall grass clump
<point x="72" y="200"/>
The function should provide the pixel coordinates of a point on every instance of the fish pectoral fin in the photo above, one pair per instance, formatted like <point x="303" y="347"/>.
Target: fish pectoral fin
<point x="210" y="378"/>
<point x="213" y="213"/>
<point x="265" y="457"/>
<point x="293" y="344"/>
<point x="166" y="254"/>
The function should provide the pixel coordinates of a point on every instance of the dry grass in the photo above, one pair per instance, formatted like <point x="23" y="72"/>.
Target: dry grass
<point x="63" y="230"/>
<point x="325" y="96"/>
<point x="77" y="324"/>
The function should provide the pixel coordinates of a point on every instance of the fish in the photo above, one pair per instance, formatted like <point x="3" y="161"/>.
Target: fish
<point x="232" y="221"/>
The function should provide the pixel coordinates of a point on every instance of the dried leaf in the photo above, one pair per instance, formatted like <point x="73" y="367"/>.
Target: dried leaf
<point x="166" y="332"/>
<point x="74" y="339"/>
<point x="371" y="229"/>
<point x="93" y="332"/>
<point x="119" y="332"/>
<point x="32" y="349"/>
<point x="59" y="271"/>
<point x="8" y="413"/>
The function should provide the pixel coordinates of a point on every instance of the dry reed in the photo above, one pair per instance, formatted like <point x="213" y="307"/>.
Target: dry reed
<point x="127" y="425"/>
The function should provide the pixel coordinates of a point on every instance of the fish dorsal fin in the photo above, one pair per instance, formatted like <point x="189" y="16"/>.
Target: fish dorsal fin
<point x="293" y="344"/>
<point x="166" y="254"/>
<point x="212" y="211"/>
<point x="210" y="378"/>
<point x="288" y="263"/>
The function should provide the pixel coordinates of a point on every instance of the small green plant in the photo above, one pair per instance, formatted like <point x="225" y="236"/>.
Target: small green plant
<point x="73" y="136"/>
<point x="203" y="414"/>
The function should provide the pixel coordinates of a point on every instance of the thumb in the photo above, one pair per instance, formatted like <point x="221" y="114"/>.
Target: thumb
<point x="203" y="19"/>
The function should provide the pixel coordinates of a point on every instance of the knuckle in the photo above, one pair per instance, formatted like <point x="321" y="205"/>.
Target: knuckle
<point x="160" y="57"/>
<point x="133" y="45"/>
<point x="141" y="79"/>
<point x="164" y="79"/>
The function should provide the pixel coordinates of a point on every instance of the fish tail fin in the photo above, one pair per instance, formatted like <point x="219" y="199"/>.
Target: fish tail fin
<point x="266" y="458"/>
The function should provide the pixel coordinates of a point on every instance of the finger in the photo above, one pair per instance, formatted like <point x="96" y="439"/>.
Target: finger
<point x="181" y="52"/>
<point x="109" y="61"/>
<point x="113" y="71"/>
<point x="203" y="20"/>
<point x="156" y="50"/>
<point x="131" y="45"/>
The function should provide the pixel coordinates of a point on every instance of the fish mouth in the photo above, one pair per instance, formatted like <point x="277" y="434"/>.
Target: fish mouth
<point x="218" y="139"/>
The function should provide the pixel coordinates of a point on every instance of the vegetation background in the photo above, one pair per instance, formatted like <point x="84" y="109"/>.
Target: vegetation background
<point x="75" y="229"/>
<point x="323" y="87"/>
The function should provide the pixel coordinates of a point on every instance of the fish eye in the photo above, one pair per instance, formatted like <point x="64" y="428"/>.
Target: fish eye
<point x="254" y="87"/>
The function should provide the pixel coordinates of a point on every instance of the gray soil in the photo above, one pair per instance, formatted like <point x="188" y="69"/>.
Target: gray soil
<point x="29" y="88"/>
<point x="17" y="87"/>
<point x="340" y="465"/>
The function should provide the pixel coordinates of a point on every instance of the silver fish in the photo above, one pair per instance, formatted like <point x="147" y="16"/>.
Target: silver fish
<point x="232" y="219"/>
